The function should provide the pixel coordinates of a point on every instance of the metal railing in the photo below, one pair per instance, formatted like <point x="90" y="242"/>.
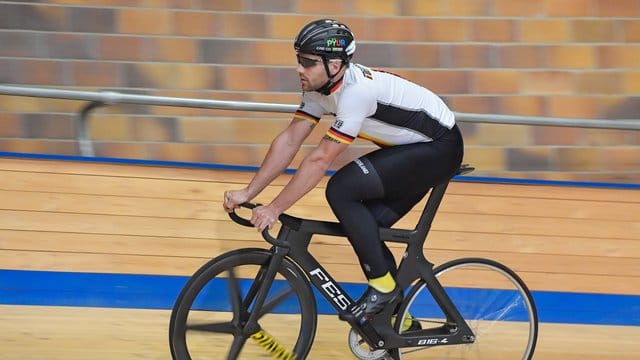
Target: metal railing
<point x="105" y="98"/>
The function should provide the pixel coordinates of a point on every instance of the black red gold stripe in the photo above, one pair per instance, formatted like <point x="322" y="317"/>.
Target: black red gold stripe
<point x="375" y="140"/>
<point x="299" y="114"/>
<point x="340" y="136"/>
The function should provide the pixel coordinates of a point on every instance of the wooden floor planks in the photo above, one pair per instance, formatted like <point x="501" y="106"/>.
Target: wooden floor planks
<point x="97" y="217"/>
<point x="93" y="333"/>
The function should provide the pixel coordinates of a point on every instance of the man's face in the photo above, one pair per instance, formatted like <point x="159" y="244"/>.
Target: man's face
<point x="311" y="71"/>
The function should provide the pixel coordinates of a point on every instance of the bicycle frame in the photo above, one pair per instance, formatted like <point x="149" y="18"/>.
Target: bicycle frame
<point x="293" y="241"/>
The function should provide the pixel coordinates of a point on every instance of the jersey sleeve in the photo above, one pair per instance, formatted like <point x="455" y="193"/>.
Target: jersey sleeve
<point x="309" y="109"/>
<point x="355" y="104"/>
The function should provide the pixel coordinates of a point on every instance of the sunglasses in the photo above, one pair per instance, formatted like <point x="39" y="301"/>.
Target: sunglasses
<point x="306" y="62"/>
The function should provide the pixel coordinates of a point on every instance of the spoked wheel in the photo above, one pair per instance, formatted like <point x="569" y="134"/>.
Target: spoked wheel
<point x="494" y="301"/>
<point x="209" y="317"/>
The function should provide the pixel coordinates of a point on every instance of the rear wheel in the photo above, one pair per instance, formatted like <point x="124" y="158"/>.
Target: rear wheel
<point x="493" y="300"/>
<point x="210" y="314"/>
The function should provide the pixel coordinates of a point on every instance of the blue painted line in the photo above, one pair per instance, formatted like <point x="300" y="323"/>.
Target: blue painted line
<point x="500" y="180"/>
<point x="126" y="161"/>
<point x="49" y="288"/>
<point x="197" y="165"/>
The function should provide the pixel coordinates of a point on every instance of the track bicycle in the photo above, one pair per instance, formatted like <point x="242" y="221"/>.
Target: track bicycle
<point x="251" y="302"/>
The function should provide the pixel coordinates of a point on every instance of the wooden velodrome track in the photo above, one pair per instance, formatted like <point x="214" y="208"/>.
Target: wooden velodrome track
<point x="81" y="217"/>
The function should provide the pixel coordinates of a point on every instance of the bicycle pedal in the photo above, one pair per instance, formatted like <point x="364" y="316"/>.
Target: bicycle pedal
<point x="358" y="314"/>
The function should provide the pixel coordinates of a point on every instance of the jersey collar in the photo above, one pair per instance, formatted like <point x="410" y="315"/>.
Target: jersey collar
<point x="336" y="86"/>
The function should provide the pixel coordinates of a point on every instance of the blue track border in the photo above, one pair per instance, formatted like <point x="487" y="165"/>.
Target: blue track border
<point x="159" y="292"/>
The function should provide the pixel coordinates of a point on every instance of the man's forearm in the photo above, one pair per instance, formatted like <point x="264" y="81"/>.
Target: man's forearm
<point x="306" y="178"/>
<point x="280" y="154"/>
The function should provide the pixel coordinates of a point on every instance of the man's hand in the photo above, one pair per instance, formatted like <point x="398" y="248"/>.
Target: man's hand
<point x="264" y="217"/>
<point x="233" y="199"/>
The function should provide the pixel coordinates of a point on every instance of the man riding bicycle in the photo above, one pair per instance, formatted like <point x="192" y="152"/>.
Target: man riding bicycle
<point x="420" y="146"/>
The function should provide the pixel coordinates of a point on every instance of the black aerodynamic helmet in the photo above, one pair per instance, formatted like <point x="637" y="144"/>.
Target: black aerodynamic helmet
<point x="327" y="38"/>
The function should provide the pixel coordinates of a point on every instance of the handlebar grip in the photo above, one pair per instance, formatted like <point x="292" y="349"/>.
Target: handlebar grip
<point x="245" y="222"/>
<point x="239" y="219"/>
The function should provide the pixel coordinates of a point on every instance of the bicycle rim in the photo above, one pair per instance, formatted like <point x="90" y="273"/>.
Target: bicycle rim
<point x="208" y="317"/>
<point x="493" y="300"/>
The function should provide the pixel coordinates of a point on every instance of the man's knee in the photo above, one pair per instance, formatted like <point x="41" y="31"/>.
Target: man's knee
<point x="333" y="191"/>
<point x="340" y="185"/>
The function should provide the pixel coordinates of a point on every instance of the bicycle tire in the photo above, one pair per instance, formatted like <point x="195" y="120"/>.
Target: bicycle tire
<point x="204" y="315"/>
<point x="494" y="301"/>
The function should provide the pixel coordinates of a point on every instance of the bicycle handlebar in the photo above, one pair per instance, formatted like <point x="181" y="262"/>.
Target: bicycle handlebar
<point x="239" y="219"/>
<point x="245" y="222"/>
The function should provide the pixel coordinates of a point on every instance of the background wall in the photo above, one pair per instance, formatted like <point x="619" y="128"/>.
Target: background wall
<point x="569" y="58"/>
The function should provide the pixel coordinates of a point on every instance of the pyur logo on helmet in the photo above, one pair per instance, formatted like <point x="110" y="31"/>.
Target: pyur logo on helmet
<point x="330" y="40"/>
<point x="326" y="38"/>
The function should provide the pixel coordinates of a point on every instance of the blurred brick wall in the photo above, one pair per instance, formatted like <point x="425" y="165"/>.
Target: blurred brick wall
<point x="561" y="58"/>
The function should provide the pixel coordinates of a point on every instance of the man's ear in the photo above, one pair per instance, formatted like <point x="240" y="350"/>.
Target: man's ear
<point x="335" y="66"/>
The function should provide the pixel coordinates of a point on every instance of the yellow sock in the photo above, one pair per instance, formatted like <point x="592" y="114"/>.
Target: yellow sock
<point x="384" y="284"/>
<point x="406" y="323"/>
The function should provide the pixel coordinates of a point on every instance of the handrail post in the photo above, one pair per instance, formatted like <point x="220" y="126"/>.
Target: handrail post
<point x="85" y="145"/>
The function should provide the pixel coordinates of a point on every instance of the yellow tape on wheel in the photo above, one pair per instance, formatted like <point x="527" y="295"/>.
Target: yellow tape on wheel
<point x="273" y="346"/>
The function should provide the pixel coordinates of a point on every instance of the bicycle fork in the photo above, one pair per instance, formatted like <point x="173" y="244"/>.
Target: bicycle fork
<point x="252" y="329"/>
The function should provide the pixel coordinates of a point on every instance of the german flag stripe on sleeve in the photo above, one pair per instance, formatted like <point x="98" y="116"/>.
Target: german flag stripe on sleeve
<point x="340" y="136"/>
<point x="299" y="114"/>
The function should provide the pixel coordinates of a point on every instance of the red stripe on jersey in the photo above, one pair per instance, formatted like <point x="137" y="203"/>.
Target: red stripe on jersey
<point x="340" y="136"/>
<point x="306" y="116"/>
<point x="335" y="86"/>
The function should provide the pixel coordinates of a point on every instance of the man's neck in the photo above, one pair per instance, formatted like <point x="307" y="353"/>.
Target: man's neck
<point x="334" y="83"/>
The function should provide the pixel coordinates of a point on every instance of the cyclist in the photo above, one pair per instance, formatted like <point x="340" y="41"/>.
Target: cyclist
<point x="420" y="146"/>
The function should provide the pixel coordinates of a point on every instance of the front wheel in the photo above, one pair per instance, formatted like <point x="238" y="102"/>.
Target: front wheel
<point x="209" y="317"/>
<point x="494" y="301"/>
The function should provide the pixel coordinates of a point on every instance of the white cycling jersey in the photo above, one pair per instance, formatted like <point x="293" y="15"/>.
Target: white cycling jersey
<point x="378" y="106"/>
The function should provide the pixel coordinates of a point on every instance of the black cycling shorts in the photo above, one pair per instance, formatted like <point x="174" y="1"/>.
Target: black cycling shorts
<point x="381" y="187"/>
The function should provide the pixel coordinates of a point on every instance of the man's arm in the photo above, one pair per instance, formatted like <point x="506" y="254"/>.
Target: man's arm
<point x="281" y="152"/>
<point x="309" y="174"/>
